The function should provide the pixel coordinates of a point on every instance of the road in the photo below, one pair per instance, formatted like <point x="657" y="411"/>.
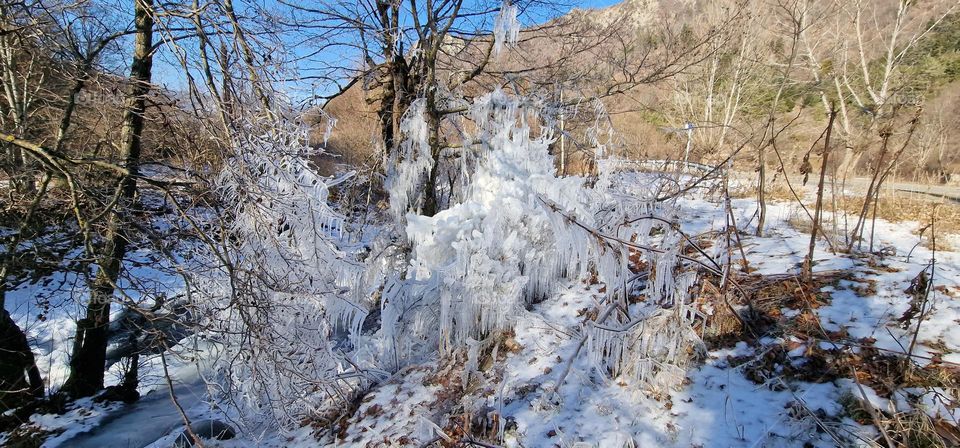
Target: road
<point x="951" y="192"/>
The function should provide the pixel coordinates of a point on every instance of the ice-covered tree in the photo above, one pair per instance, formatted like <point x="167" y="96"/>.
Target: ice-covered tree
<point x="281" y="302"/>
<point x="514" y="232"/>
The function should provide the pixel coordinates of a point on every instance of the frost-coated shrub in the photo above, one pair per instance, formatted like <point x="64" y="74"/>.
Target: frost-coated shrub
<point x="280" y="303"/>
<point x="289" y="305"/>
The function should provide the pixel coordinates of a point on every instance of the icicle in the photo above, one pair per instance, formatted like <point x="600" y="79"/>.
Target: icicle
<point x="415" y="160"/>
<point x="507" y="240"/>
<point x="473" y="361"/>
<point x="506" y="28"/>
<point x="503" y="245"/>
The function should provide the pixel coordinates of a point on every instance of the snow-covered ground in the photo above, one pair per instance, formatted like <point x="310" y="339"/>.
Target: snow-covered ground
<point x="719" y="404"/>
<point x="49" y="308"/>
<point x="514" y="400"/>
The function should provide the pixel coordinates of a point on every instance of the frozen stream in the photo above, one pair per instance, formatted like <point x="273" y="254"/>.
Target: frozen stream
<point x="142" y="423"/>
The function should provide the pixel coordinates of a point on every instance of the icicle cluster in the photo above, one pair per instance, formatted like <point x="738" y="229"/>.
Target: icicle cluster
<point x="509" y="242"/>
<point x="413" y="163"/>
<point x="601" y="134"/>
<point x="652" y="350"/>
<point x="506" y="28"/>
<point x="517" y="232"/>
<point x="283" y="310"/>
<point x="653" y="344"/>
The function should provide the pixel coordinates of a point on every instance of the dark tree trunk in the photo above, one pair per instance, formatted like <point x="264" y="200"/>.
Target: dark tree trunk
<point x="388" y="75"/>
<point x="395" y="75"/>
<point x="431" y="203"/>
<point x="90" y="346"/>
<point x="20" y="380"/>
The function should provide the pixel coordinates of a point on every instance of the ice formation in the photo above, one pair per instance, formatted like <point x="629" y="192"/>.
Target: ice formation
<point x="506" y="28"/>
<point x="412" y="164"/>
<point x="518" y="232"/>
<point x="653" y="344"/>
<point x="507" y="244"/>
<point x="281" y="306"/>
<point x="511" y="233"/>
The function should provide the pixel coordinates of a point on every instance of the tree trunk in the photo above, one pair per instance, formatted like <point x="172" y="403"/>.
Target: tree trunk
<point x="431" y="203"/>
<point x="388" y="76"/>
<point x="394" y="76"/>
<point x="761" y="192"/>
<point x="808" y="261"/>
<point x="20" y="380"/>
<point x="855" y="237"/>
<point x="90" y="345"/>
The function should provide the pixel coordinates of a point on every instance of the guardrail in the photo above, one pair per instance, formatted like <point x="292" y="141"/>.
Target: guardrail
<point x="665" y="165"/>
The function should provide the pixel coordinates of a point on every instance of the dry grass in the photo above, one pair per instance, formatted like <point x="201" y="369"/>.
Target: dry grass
<point x="911" y="428"/>
<point x="892" y="207"/>
<point x="882" y="371"/>
<point x="765" y="297"/>
<point x="778" y="190"/>
<point x="897" y="208"/>
<point x="799" y="220"/>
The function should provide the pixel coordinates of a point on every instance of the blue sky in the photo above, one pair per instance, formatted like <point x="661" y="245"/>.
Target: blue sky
<point x="169" y="73"/>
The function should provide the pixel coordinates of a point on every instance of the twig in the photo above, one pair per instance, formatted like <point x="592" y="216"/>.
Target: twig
<point x="920" y="240"/>
<point x="470" y="441"/>
<point x="933" y="268"/>
<point x="808" y="262"/>
<point x="176" y="403"/>
<point x="871" y="409"/>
